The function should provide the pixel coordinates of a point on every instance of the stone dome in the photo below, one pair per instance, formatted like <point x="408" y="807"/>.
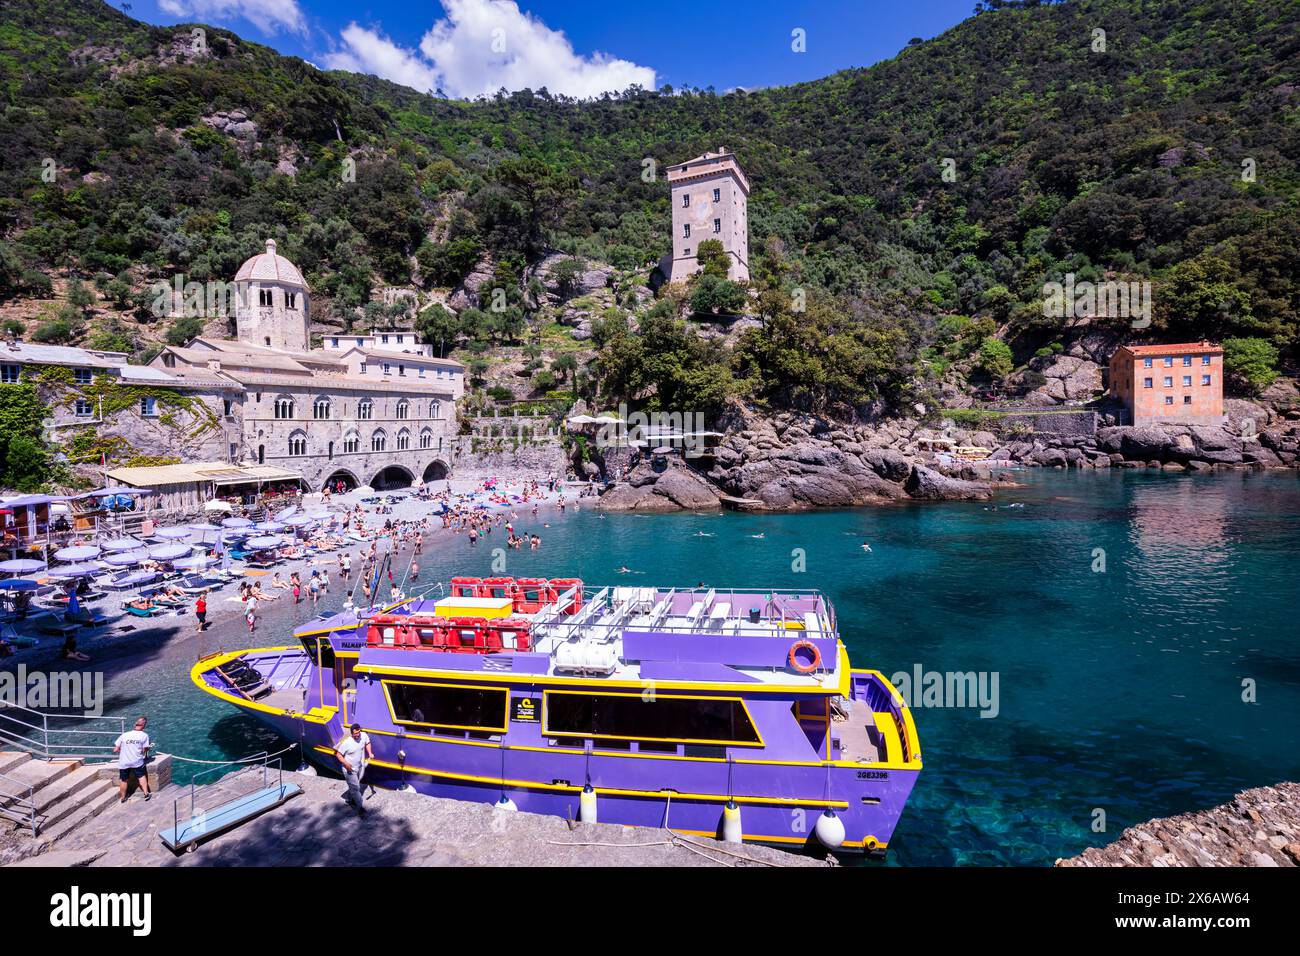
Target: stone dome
<point x="270" y="267"/>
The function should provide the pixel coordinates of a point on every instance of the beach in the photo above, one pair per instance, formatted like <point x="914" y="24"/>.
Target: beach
<point x="124" y="636"/>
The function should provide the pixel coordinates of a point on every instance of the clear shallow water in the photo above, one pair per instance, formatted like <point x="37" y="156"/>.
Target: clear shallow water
<point x="1119" y="690"/>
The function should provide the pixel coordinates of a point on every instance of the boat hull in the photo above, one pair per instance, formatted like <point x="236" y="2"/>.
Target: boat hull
<point x="779" y="801"/>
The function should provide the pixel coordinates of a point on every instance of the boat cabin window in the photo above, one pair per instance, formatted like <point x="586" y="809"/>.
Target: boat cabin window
<point x="630" y="717"/>
<point x="445" y="705"/>
<point x="326" y="650"/>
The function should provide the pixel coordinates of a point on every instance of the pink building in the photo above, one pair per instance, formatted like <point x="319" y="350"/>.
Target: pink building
<point x="1169" y="383"/>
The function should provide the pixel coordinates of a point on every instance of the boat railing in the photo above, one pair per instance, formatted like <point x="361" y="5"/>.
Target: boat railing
<point x="45" y="736"/>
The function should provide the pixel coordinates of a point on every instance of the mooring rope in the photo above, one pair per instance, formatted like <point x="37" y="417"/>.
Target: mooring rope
<point x="240" y="760"/>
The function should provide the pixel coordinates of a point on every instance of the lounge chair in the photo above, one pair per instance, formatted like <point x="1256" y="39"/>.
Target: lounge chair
<point x="142" y="611"/>
<point x="52" y="625"/>
<point x="195" y="584"/>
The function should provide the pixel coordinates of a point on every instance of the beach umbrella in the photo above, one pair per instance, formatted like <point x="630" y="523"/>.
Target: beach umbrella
<point x="263" y="541"/>
<point x="79" y="552"/>
<point x="125" y="559"/>
<point x="298" y="521"/>
<point x="288" y="512"/>
<point x="121" y="544"/>
<point x="19" y="584"/>
<point x="173" y="534"/>
<point x="195" y="562"/>
<point x="76" y="571"/>
<point x="74" y="606"/>
<point x="268" y="526"/>
<point x="22" y="566"/>
<point x="218" y="506"/>
<point x="169" y="552"/>
<point x="236" y="523"/>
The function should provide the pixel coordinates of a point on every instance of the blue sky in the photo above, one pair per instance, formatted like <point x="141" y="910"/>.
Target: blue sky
<point x="574" y="46"/>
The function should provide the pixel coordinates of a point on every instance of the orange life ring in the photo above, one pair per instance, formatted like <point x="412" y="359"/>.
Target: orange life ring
<point x="812" y="665"/>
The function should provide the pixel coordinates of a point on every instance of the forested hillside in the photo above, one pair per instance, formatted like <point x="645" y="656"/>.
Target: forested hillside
<point x="1172" y="156"/>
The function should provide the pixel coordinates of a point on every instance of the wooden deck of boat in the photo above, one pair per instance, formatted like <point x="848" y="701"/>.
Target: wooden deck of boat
<point x="858" y="737"/>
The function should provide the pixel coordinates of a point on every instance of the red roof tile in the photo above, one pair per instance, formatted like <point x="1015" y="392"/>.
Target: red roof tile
<point x="1194" y="348"/>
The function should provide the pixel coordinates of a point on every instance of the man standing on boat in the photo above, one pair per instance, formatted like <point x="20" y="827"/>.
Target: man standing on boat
<point x="353" y="754"/>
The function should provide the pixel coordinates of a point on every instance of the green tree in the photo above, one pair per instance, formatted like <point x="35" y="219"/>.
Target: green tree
<point x="1250" y="363"/>
<point x="995" y="358"/>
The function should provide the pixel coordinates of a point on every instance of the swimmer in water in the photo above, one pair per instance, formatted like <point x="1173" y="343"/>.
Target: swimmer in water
<point x="866" y="547"/>
<point x="758" y="535"/>
<point x="703" y="534"/>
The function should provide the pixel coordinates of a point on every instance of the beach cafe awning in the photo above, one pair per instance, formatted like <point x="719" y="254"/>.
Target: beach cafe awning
<point x="215" y="472"/>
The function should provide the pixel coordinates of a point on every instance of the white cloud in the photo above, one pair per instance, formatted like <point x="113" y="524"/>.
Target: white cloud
<point x="483" y="45"/>
<point x="269" y="16"/>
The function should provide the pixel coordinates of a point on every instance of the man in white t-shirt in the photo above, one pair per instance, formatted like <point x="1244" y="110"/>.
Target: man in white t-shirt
<point x="353" y="753"/>
<point x="132" y="749"/>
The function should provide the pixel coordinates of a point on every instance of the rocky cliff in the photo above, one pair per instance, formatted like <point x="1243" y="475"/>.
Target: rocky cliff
<point x="1260" y="827"/>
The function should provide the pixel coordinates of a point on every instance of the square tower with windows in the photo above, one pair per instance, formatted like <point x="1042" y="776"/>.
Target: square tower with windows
<point x="710" y="197"/>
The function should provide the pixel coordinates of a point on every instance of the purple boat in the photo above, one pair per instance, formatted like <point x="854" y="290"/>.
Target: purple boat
<point x="726" y="713"/>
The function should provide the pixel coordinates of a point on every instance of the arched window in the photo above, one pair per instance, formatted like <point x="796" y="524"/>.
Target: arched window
<point x="435" y="409"/>
<point x="403" y="408"/>
<point x="321" y="407"/>
<point x="426" y="438"/>
<point x="379" y="440"/>
<point x="298" y="444"/>
<point x="351" y="443"/>
<point x="284" y="407"/>
<point x="365" y="409"/>
<point x="404" y="440"/>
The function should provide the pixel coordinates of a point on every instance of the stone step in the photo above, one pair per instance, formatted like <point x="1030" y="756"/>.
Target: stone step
<point x="95" y="805"/>
<point x="11" y="759"/>
<point x="41" y="773"/>
<point x="72" y="804"/>
<point x="36" y="774"/>
<point x="65" y="788"/>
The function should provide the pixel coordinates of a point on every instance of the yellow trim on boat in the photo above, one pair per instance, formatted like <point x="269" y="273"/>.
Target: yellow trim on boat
<point x="503" y="691"/>
<point x="612" y="791"/>
<point x="754" y="687"/>
<point x="889" y="734"/>
<point x="547" y="732"/>
<point x="317" y="715"/>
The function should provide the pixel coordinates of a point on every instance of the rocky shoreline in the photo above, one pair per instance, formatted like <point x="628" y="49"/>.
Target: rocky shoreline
<point x="789" y="461"/>
<point x="1260" y="827"/>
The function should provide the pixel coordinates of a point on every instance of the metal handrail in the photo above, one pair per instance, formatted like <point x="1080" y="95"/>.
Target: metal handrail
<point x="245" y="764"/>
<point x="44" y="742"/>
<point x="21" y="803"/>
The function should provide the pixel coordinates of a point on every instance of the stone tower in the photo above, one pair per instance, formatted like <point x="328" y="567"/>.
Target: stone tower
<point x="710" y="201"/>
<point x="271" y="303"/>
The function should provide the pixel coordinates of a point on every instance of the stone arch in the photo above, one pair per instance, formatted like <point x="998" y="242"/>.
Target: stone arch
<point x="437" y="470"/>
<point x="394" y="476"/>
<point x="349" y="480"/>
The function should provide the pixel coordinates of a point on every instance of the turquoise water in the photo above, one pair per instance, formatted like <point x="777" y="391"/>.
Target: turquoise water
<point x="1120" y="690"/>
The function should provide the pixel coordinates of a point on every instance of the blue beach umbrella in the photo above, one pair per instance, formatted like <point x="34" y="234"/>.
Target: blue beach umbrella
<point x="236" y="523"/>
<point x="268" y="526"/>
<point x="195" y="562"/>
<point x="19" y="584"/>
<point x="263" y="541"/>
<point x="173" y="534"/>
